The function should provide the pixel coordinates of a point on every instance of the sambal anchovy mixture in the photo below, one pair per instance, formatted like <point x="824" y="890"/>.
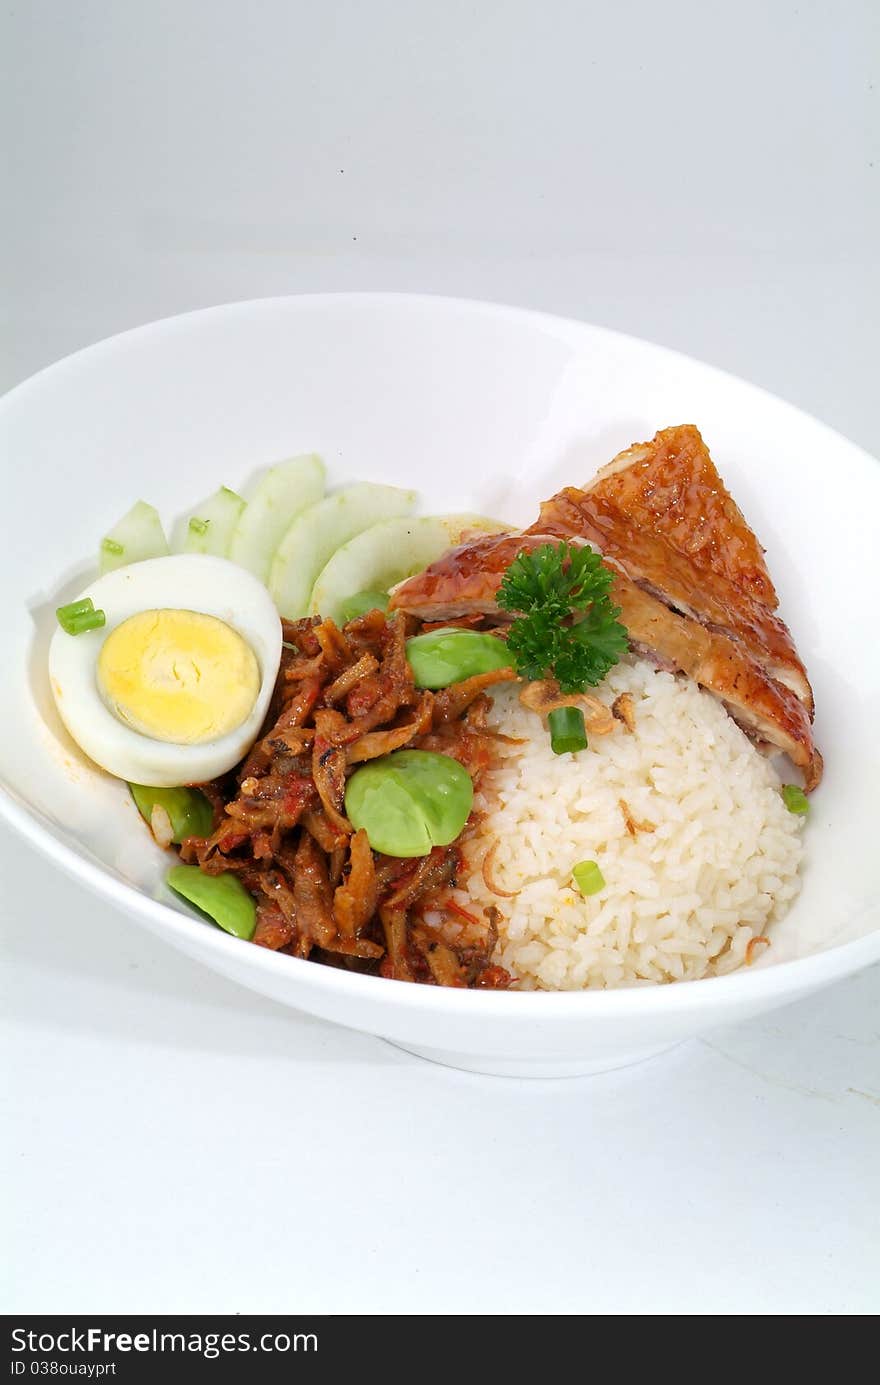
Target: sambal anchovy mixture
<point x="344" y="697"/>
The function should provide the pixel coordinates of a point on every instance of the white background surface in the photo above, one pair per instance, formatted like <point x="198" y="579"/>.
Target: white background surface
<point x="705" y="176"/>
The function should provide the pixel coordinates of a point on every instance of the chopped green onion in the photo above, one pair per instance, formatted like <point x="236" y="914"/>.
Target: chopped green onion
<point x="75" y="608"/>
<point x="568" y="732"/>
<point x="795" y="799"/>
<point x="588" y="877"/>
<point x="198" y="526"/>
<point x="79" y="616"/>
<point x="111" y="546"/>
<point x="78" y="625"/>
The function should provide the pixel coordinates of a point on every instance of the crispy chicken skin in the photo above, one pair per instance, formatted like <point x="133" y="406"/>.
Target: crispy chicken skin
<point x="670" y="487"/>
<point x="690" y="579"/>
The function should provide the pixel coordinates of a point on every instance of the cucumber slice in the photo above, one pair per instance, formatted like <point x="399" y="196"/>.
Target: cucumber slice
<point x="138" y="535"/>
<point x="284" y="490"/>
<point x="316" y="534"/>
<point x="209" y="528"/>
<point x="387" y="553"/>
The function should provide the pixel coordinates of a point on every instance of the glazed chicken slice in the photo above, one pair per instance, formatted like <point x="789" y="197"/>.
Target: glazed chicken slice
<point x="689" y="576"/>
<point x="465" y="580"/>
<point x="661" y="513"/>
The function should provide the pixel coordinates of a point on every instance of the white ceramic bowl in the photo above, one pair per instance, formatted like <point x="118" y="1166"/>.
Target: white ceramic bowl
<point x="481" y="407"/>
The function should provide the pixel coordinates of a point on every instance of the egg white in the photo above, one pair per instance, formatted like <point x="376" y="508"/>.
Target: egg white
<point x="190" y="582"/>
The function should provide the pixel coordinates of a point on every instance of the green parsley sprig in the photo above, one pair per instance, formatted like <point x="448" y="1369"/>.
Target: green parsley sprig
<point x="566" y="626"/>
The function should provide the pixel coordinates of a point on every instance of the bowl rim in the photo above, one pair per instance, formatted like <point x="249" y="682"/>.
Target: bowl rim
<point x="797" y="975"/>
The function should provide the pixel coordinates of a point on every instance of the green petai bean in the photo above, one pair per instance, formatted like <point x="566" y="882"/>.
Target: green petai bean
<point x="189" y="812"/>
<point x="410" y="801"/>
<point x="449" y="656"/>
<point x="222" y="897"/>
<point x="360" y="604"/>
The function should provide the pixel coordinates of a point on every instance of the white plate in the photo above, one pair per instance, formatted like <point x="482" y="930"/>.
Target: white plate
<point x="480" y="407"/>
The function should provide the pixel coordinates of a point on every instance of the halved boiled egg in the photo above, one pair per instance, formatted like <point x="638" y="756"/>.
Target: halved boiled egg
<point x="174" y="688"/>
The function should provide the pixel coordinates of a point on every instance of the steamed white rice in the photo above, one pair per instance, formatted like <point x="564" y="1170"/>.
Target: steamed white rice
<point x="680" y="902"/>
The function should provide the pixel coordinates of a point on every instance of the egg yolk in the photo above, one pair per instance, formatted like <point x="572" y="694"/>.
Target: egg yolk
<point x="178" y="676"/>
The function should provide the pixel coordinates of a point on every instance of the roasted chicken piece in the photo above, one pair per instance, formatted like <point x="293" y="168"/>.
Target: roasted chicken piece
<point x="660" y="513"/>
<point x="689" y="576"/>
